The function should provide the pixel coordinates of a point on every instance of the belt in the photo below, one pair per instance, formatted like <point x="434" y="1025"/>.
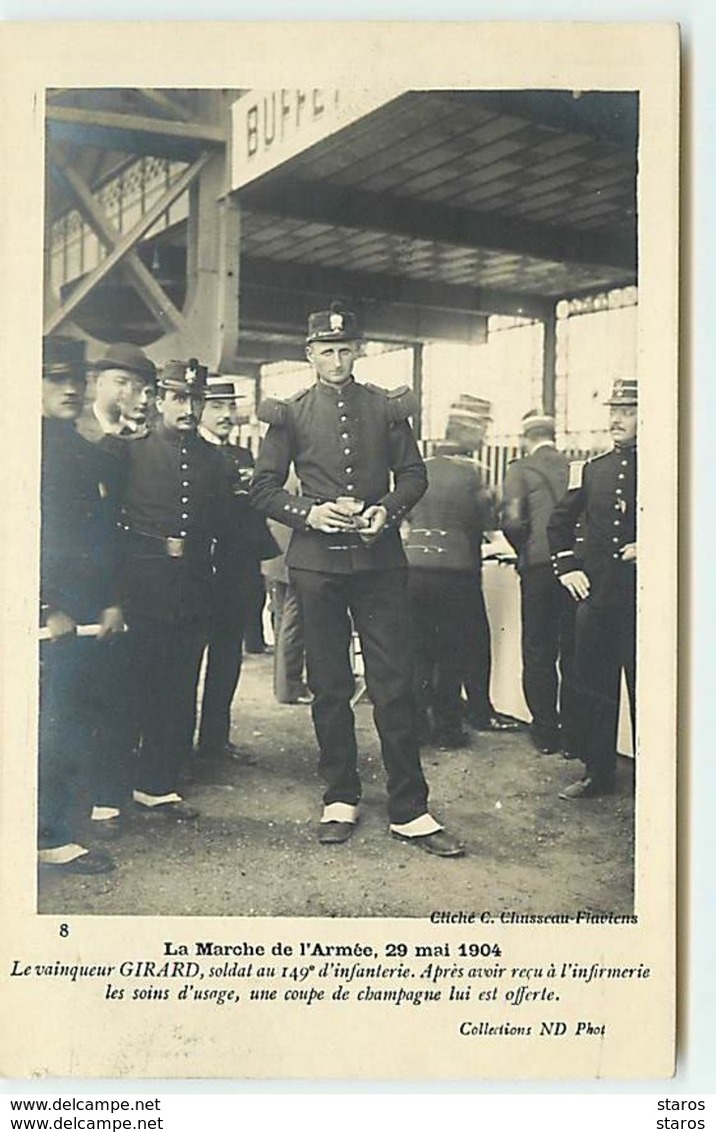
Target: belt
<point x="170" y="546"/>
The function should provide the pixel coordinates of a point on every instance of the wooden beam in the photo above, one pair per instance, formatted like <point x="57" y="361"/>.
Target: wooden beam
<point x="161" y="306"/>
<point x="356" y="286"/>
<point x="200" y="132"/>
<point x="423" y="220"/>
<point x="125" y="245"/>
<point x="162" y="101"/>
<point x="549" y="363"/>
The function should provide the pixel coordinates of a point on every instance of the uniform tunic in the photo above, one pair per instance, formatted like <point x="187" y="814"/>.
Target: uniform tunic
<point x="448" y="617"/>
<point x="237" y="553"/>
<point x="606" y="619"/>
<point x="174" y="505"/>
<point x="532" y="488"/>
<point x="351" y="440"/>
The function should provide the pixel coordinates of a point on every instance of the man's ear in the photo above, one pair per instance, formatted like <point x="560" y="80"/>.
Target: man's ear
<point x="309" y="351"/>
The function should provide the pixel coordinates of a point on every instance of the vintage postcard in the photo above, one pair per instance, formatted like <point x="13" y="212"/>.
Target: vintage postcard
<point x="339" y="623"/>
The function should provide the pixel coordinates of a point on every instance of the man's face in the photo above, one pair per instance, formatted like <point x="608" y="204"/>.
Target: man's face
<point x="63" y="397"/>
<point x="333" y="361"/>
<point x="114" y="391"/>
<point x="139" y="401"/>
<point x="623" y="422"/>
<point x="219" y="416"/>
<point x="179" y="411"/>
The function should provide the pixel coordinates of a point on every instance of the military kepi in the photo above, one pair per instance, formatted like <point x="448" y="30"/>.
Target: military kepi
<point x="185" y="377"/>
<point x="624" y="392"/>
<point x="63" y="357"/>
<point x="334" y="325"/>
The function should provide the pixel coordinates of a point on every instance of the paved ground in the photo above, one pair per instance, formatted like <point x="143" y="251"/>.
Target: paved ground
<point x="253" y="852"/>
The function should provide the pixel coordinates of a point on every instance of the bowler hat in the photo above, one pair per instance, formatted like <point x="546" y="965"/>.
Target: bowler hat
<point x="63" y="357"/>
<point x="624" y="392"/>
<point x="334" y="325"/>
<point x="127" y="356"/>
<point x="185" y="377"/>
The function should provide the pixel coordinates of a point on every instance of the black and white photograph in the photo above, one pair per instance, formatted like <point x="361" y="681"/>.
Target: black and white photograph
<point x="344" y="557"/>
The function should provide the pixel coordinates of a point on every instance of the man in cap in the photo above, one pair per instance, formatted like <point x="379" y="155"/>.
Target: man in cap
<point x="444" y="551"/>
<point x="603" y="585"/>
<point x="173" y="507"/>
<point x="345" y="440"/>
<point x="243" y="542"/>
<point x="125" y="388"/>
<point x="532" y="487"/>
<point x="80" y="608"/>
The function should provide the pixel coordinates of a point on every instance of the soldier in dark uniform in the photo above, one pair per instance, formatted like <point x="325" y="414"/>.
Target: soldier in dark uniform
<point x="78" y="596"/>
<point x="244" y="541"/>
<point x="174" y="505"/>
<point x="444" y="550"/>
<point x="604" y="587"/>
<point x="345" y="440"/>
<point x="532" y="487"/>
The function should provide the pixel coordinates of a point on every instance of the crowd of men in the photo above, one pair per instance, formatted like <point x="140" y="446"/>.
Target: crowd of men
<point x="154" y="531"/>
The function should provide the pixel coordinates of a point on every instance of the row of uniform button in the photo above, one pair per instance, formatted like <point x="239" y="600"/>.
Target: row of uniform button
<point x="184" y="467"/>
<point x="347" y="451"/>
<point x="620" y="506"/>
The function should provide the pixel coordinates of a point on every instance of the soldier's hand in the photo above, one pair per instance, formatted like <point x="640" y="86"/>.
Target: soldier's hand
<point x="628" y="552"/>
<point x="576" y="583"/>
<point x="329" y="517"/>
<point x="374" y="519"/>
<point x="60" y="625"/>
<point x="111" y="621"/>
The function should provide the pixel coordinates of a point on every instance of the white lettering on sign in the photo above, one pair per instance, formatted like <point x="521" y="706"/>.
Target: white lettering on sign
<point x="271" y="126"/>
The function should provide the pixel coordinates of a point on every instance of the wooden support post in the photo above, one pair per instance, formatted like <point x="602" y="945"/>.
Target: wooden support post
<point x="418" y="386"/>
<point x="549" y="362"/>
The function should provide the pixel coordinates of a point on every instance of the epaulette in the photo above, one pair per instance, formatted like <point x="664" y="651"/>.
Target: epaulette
<point x="402" y="402"/>
<point x="274" y="410"/>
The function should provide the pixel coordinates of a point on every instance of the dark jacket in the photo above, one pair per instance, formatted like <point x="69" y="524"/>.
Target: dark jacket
<point x="342" y="442"/>
<point x="532" y="488"/>
<point x="448" y="523"/>
<point x="79" y="536"/>
<point x="173" y="486"/>
<point x="607" y="501"/>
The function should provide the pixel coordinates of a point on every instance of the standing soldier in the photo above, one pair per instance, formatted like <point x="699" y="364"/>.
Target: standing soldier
<point x="444" y="550"/>
<point x="533" y="486"/>
<point x="173" y="507"/>
<point x="604" y="587"/>
<point x="345" y="559"/>
<point x="78" y="597"/>
<point x="244" y="540"/>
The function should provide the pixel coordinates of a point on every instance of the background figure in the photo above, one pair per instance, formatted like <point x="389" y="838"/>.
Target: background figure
<point x="604" y="589"/>
<point x="444" y="551"/>
<point x="234" y="559"/>
<point x="78" y="588"/>
<point x="124" y="394"/>
<point x="533" y="486"/>
<point x="348" y="442"/>
<point x="289" y="685"/>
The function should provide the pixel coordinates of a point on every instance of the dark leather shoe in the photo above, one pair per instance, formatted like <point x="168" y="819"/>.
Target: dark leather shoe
<point x="440" y="843"/>
<point x="243" y="758"/>
<point x="452" y="740"/>
<point x="586" y="788"/>
<point x="172" y="811"/>
<point x="498" y="722"/>
<point x="335" y="832"/>
<point x="92" y="863"/>
<point x="109" y="829"/>
<point x="545" y="742"/>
